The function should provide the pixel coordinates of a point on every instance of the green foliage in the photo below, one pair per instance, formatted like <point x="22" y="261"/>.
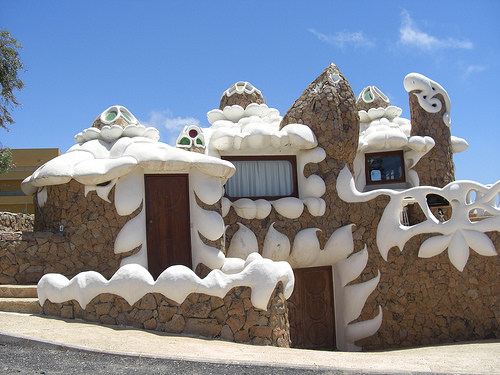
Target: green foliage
<point x="10" y="67"/>
<point x="5" y="159"/>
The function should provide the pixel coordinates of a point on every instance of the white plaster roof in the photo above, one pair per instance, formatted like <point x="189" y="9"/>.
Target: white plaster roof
<point x="255" y="128"/>
<point x="97" y="161"/>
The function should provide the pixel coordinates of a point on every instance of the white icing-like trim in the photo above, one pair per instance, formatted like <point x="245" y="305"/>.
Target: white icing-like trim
<point x="41" y="196"/>
<point x="276" y="245"/>
<point x="428" y="89"/>
<point x="457" y="234"/>
<point x="113" y="133"/>
<point x="243" y="243"/>
<point x="350" y="299"/>
<point x="96" y="162"/>
<point x="240" y="88"/>
<point x="133" y="281"/>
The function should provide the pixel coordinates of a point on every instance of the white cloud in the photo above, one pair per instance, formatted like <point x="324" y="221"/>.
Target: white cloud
<point x="411" y="36"/>
<point x="341" y="39"/>
<point x="168" y="125"/>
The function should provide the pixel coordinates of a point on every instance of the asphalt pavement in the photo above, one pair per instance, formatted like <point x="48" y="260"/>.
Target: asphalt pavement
<point x="95" y="348"/>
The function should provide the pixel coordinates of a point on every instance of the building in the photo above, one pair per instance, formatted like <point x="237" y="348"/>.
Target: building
<point x="25" y="162"/>
<point x="342" y="208"/>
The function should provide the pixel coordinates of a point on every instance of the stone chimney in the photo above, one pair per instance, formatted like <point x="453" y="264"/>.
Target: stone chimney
<point x="242" y="94"/>
<point x="430" y="116"/>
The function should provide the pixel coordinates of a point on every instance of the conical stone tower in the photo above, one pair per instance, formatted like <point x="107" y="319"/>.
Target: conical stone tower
<point x="328" y="107"/>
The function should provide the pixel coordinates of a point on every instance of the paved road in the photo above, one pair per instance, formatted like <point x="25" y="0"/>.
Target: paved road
<point x="18" y="359"/>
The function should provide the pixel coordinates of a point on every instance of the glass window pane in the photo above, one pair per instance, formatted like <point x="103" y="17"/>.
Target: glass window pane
<point x="385" y="167"/>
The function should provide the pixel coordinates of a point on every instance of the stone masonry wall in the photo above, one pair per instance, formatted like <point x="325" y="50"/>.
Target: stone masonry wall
<point x="232" y="318"/>
<point x="424" y="301"/>
<point x="86" y="242"/>
<point x="10" y="222"/>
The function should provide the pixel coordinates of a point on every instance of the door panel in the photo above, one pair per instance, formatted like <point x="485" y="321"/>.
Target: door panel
<point x="310" y="309"/>
<point x="167" y="222"/>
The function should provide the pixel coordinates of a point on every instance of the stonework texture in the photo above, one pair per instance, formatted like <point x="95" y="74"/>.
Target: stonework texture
<point x="424" y="301"/>
<point x="232" y="318"/>
<point x="10" y="222"/>
<point x="90" y="227"/>
<point x="436" y="168"/>
<point x="242" y="100"/>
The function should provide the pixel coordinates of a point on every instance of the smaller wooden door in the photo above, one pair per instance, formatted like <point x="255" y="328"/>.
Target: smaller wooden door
<point x="167" y="222"/>
<point x="310" y="309"/>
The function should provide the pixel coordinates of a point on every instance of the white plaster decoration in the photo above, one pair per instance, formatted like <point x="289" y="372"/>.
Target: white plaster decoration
<point x="129" y="192"/>
<point x="112" y="133"/>
<point x="41" y="196"/>
<point x="373" y="92"/>
<point x="240" y="88"/>
<point x="243" y="243"/>
<point x="289" y="207"/>
<point x="209" y="223"/>
<point x="306" y="251"/>
<point x="276" y="245"/>
<point x="263" y="209"/>
<point x="202" y="253"/>
<point x="313" y="187"/>
<point x="232" y="266"/>
<point x="315" y="206"/>
<point x="132" y="234"/>
<point x="96" y="162"/>
<point x="226" y="206"/>
<point x="428" y="89"/>
<point x="245" y="208"/>
<point x="102" y="191"/>
<point x="207" y="188"/>
<point x="133" y="281"/>
<point x="458" y="144"/>
<point x="457" y="234"/>
<point x="351" y="299"/>
<point x="191" y="136"/>
<point x="305" y="248"/>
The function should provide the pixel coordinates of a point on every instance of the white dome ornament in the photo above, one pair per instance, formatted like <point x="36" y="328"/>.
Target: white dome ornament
<point x="191" y="138"/>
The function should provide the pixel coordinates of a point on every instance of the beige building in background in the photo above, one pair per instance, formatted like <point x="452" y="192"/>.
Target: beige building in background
<point x="25" y="161"/>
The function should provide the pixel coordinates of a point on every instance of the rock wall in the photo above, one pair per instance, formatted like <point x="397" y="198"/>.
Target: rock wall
<point x="232" y="318"/>
<point x="90" y="227"/>
<point x="10" y="222"/>
<point x="428" y="301"/>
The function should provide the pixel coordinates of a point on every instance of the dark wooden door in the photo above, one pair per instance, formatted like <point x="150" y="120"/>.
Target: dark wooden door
<point x="167" y="222"/>
<point x="310" y="309"/>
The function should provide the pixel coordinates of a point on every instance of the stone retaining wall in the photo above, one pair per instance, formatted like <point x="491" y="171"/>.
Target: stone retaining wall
<point x="26" y="257"/>
<point x="232" y="318"/>
<point x="11" y="222"/>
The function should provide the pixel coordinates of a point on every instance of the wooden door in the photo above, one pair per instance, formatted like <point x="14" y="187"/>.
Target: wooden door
<point x="167" y="222"/>
<point x="310" y="309"/>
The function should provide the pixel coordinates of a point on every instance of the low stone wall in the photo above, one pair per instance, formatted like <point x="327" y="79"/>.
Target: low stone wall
<point x="11" y="222"/>
<point x="26" y="257"/>
<point x="232" y="318"/>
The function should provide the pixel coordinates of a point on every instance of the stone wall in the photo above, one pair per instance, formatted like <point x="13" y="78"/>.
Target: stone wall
<point x="424" y="301"/>
<point x="90" y="226"/>
<point x="232" y="318"/>
<point x="10" y="222"/>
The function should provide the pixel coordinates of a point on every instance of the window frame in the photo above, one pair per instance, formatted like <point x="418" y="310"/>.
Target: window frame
<point x="399" y="153"/>
<point x="290" y="158"/>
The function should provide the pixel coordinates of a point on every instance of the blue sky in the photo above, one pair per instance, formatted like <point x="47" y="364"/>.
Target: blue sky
<point x="169" y="62"/>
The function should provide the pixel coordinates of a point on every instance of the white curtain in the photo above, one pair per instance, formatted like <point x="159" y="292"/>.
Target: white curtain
<point x="260" y="178"/>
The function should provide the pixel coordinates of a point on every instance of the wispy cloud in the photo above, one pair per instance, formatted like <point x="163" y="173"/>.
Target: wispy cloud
<point x="341" y="39"/>
<point x="471" y="69"/>
<point x="411" y="36"/>
<point x="168" y="125"/>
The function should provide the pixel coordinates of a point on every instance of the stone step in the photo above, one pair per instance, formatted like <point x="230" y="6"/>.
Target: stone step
<point x="25" y="305"/>
<point x="21" y="291"/>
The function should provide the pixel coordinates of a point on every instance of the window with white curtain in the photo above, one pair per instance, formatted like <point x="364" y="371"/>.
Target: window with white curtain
<point x="263" y="177"/>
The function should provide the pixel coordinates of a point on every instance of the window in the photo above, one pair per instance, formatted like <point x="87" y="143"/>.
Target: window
<point x="385" y="168"/>
<point x="267" y="177"/>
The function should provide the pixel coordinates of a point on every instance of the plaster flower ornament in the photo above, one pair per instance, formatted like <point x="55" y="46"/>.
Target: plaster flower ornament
<point x="458" y="245"/>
